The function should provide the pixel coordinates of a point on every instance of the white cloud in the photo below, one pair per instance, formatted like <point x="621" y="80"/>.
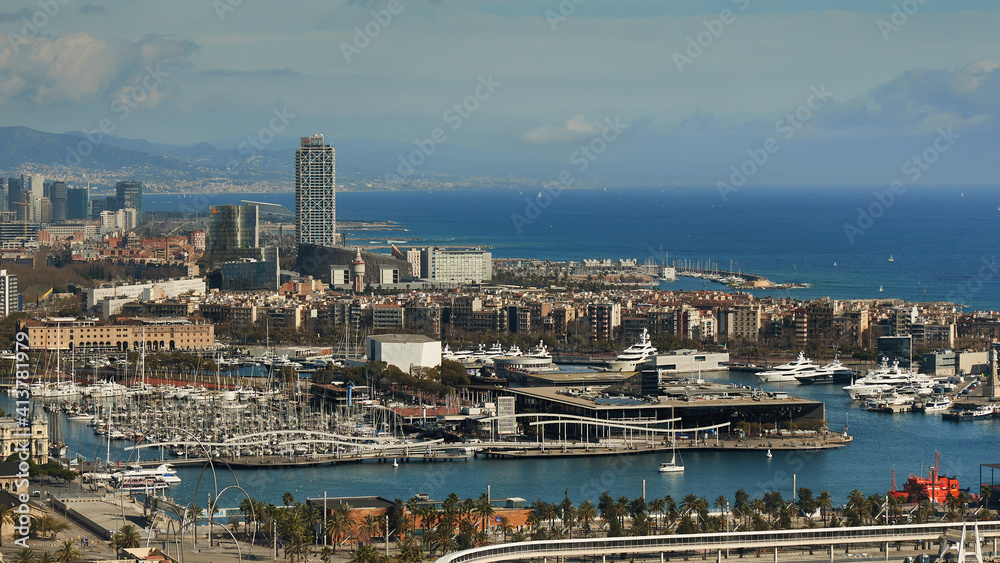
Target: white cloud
<point x="574" y="128"/>
<point x="921" y="100"/>
<point x="75" y="67"/>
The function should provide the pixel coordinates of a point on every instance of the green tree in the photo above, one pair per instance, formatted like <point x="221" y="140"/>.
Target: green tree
<point x="370" y="527"/>
<point x="125" y="538"/>
<point x="6" y="516"/>
<point x="365" y="554"/>
<point x="339" y="524"/>
<point x="587" y="513"/>
<point x="25" y="555"/>
<point x="67" y="553"/>
<point x="824" y="502"/>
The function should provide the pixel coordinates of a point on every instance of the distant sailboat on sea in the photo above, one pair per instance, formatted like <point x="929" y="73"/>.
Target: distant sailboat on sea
<point x="880" y="290"/>
<point x="834" y="263"/>
<point x="890" y="257"/>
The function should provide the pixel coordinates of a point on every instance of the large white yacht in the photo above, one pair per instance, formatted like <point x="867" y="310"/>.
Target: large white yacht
<point x="886" y="378"/>
<point x="540" y="351"/>
<point x="633" y="355"/>
<point x="833" y="372"/>
<point x="788" y="372"/>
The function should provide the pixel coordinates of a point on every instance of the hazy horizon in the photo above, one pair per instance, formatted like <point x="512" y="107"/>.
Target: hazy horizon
<point x="830" y="91"/>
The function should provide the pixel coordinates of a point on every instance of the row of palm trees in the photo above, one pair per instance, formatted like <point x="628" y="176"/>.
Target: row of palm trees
<point x="425" y="529"/>
<point x="67" y="553"/>
<point x="42" y="525"/>
<point x="625" y="516"/>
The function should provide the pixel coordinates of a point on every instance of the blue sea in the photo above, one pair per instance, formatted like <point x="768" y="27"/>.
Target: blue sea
<point x="941" y="240"/>
<point x="904" y="443"/>
<point x="838" y="239"/>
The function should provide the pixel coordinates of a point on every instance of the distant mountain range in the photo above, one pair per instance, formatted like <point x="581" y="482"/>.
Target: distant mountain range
<point x="236" y="160"/>
<point x="643" y="158"/>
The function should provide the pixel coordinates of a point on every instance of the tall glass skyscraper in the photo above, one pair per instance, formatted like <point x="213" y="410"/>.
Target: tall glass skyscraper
<point x="58" y="197"/>
<point x="129" y="194"/>
<point x="233" y="233"/>
<point x="315" y="193"/>
<point x="78" y="203"/>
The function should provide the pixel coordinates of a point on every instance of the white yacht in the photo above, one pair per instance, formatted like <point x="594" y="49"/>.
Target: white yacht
<point x="833" y="372"/>
<point x="633" y="355"/>
<point x="788" y="372"/>
<point x="540" y="351"/>
<point x="514" y="350"/>
<point x="457" y="356"/>
<point x="937" y="405"/>
<point x="886" y="378"/>
<point x="104" y="389"/>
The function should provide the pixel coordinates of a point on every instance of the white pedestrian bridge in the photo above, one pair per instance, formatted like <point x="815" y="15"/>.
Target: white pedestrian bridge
<point x="950" y="536"/>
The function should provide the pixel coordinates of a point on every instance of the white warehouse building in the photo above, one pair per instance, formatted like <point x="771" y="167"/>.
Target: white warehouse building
<point x="405" y="351"/>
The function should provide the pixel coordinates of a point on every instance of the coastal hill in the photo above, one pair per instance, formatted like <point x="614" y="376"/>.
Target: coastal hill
<point x="360" y="162"/>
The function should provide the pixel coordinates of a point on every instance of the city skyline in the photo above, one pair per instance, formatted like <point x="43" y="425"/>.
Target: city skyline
<point x="692" y="86"/>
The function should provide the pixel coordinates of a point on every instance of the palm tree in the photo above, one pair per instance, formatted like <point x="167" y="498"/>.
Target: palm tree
<point x="340" y="524"/>
<point x="670" y="510"/>
<point x="25" y="555"/>
<point x="67" y="553"/>
<point x="326" y="554"/>
<point x="485" y="510"/>
<point x="6" y="517"/>
<point x="298" y="544"/>
<point x="568" y="515"/>
<point x="287" y="499"/>
<point x="371" y="527"/>
<point x="722" y="503"/>
<point x="857" y="504"/>
<point x="126" y="537"/>
<point x="587" y="513"/>
<point x="824" y="502"/>
<point x="413" y="508"/>
<point x="409" y="551"/>
<point x="656" y="508"/>
<point x="364" y="554"/>
<point x="46" y="557"/>
<point x="505" y="527"/>
<point x="924" y="511"/>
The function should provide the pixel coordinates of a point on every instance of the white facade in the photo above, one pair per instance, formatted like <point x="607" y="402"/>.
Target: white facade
<point x="340" y="277"/>
<point x="315" y="193"/>
<point x="66" y="230"/>
<point x="8" y="293"/>
<point x="413" y="257"/>
<point x="161" y="289"/>
<point x="454" y="265"/>
<point x="687" y="361"/>
<point x="388" y="276"/>
<point x="123" y="219"/>
<point x="405" y="351"/>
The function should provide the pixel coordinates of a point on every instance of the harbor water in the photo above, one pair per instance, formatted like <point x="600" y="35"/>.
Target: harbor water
<point x="882" y="443"/>
<point x="941" y="239"/>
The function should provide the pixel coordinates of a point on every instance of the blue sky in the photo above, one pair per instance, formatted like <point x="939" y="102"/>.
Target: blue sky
<point x="216" y="69"/>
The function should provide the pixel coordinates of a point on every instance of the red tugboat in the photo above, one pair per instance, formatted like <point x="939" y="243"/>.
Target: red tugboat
<point x="935" y="486"/>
